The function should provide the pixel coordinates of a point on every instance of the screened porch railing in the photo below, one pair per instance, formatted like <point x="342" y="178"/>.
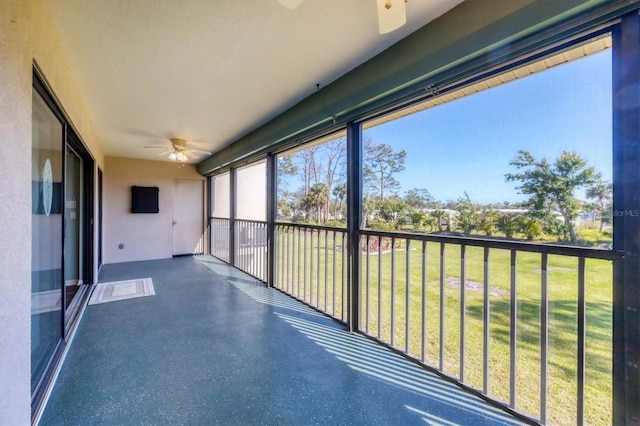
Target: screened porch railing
<point x="311" y="265"/>
<point x="249" y="244"/>
<point x="251" y="247"/>
<point x="220" y="246"/>
<point x="528" y="325"/>
<point x="525" y="324"/>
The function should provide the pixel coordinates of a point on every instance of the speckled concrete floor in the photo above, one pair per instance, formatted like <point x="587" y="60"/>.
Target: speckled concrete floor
<point x="214" y="347"/>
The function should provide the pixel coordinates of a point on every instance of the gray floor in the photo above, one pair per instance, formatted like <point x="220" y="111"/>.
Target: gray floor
<point x="214" y="347"/>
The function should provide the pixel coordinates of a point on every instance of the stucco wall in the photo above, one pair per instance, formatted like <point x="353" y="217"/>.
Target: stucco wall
<point x="27" y="35"/>
<point x="15" y="214"/>
<point x="145" y="236"/>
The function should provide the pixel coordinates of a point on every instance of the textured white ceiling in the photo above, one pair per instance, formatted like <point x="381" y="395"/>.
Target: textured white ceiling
<point x="210" y="71"/>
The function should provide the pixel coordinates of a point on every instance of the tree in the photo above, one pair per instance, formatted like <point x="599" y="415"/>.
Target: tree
<point x="285" y="167"/>
<point x="529" y="226"/>
<point x="318" y="164"/>
<point x="488" y="220"/>
<point x="392" y="210"/>
<point x="368" y="207"/>
<point x="340" y="194"/>
<point x="467" y="214"/>
<point x="439" y="216"/>
<point x="381" y="162"/>
<point x="601" y="192"/>
<point x="551" y="186"/>
<point x="607" y="213"/>
<point x="335" y="157"/>
<point x="431" y="221"/>
<point x="508" y="224"/>
<point x="418" y="198"/>
<point x="592" y="209"/>
<point x="555" y="227"/>
<point x="317" y="198"/>
<point x="308" y="167"/>
<point x="418" y="218"/>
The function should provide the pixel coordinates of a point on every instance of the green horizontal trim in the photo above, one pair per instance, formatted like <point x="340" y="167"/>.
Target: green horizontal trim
<point x="472" y="30"/>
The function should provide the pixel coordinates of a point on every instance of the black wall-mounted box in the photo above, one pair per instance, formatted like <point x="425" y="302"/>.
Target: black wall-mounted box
<point x="144" y="199"/>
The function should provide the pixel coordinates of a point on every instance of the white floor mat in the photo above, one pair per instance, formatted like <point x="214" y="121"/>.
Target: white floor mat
<point x="122" y="290"/>
<point x="46" y="301"/>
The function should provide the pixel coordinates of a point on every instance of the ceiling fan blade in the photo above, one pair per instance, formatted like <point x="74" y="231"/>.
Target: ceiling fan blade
<point x="158" y="146"/>
<point x="392" y="14"/>
<point x="199" y="151"/>
<point x="165" y="152"/>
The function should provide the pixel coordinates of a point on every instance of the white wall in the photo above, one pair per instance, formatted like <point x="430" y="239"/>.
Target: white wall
<point x="145" y="236"/>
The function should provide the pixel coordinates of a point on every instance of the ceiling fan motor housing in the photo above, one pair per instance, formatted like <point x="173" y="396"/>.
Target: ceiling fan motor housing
<point x="179" y="144"/>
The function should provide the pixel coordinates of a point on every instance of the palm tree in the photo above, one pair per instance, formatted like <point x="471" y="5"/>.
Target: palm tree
<point x="601" y="192"/>
<point x="317" y="198"/>
<point x="592" y="209"/>
<point x="340" y="193"/>
<point x="439" y="216"/>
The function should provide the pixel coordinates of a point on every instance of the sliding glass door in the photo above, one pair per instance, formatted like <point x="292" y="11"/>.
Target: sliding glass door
<point x="73" y="229"/>
<point x="46" y="255"/>
<point x="61" y="233"/>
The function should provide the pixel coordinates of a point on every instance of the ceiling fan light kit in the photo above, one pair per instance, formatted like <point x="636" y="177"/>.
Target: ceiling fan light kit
<point x="179" y="151"/>
<point x="392" y="15"/>
<point x="179" y="148"/>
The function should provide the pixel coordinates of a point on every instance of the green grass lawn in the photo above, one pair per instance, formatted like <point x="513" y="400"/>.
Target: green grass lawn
<point x="309" y="284"/>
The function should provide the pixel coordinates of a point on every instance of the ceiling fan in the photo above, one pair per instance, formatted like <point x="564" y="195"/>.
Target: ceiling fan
<point x="392" y="14"/>
<point x="178" y="151"/>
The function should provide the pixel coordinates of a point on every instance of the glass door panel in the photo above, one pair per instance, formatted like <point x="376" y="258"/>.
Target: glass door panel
<point x="46" y="249"/>
<point x="73" y="228"/>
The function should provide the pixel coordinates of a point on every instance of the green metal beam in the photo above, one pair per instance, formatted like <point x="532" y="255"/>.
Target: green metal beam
<point x="470" y="31"/>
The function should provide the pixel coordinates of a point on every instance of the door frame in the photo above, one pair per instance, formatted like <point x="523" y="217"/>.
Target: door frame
<point x="99" y="224"/>
<point x="88" y="197"/>
<point x="202" y="217"/>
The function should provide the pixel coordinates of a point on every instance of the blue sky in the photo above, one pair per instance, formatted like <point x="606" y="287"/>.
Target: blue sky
<point x="466" y="145"/>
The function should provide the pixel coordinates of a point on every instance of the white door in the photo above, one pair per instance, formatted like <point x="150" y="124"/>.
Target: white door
<point x="188" y="214"/>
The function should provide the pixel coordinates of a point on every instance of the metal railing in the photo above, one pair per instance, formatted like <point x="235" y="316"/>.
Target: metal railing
<point x="311" y="265"/>
<point x="251" y="247"/>
<point x="220" y="238"/>
<point x="525" y="324"/>
<point x="513" y="321"/>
